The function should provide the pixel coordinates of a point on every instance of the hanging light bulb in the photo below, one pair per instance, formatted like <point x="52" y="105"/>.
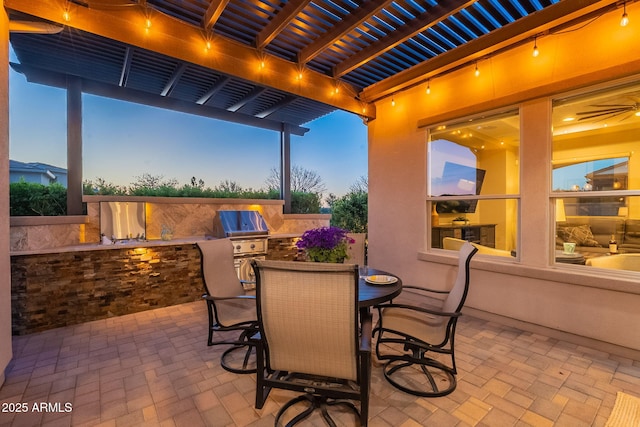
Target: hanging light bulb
<point x="477" y="72"/>
<point x="428" y="87"/>
<point x="393" y="102"/>
<point x="535" y="52"/>
<point x="147" y="23"/>
<point x="625" y="18"/>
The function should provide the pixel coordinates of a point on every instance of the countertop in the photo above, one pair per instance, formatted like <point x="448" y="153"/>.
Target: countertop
<point x="131" y="244"/>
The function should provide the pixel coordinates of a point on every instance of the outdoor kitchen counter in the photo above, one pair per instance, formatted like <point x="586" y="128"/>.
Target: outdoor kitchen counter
<point x="99" y="247"/>
<point x="64" y="286"/>
<point x="134" y="244"/>
<point x="68" y="285"/>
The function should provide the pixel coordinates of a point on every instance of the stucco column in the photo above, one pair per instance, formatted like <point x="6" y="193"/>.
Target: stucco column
<point x="5" y="262"/>
<point x="535" y="181"/>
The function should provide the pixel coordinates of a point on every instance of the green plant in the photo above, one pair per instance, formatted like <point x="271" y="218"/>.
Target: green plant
<point x="28" y="199"/>
<point x="351" y="212"/>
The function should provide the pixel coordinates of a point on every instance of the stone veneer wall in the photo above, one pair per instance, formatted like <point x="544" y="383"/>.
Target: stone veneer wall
<point x="283" y="249"/>
<point x="59" y="289"/>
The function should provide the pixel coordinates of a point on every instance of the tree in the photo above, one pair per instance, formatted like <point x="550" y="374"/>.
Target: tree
<point x="227" y="186"/>
<point x="361" y="185"/>
<point x="146" y="181"/>
<point x="302" y="180"/>
<point x="351" y="212"/>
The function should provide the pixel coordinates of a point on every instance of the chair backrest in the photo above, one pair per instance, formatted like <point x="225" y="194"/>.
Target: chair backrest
<point x="218" y="271"/>
<point x="221" y="281"/>
<point x="356" y="250"/>
<point x="458" y="293"/>
<point x="308" y="315"/>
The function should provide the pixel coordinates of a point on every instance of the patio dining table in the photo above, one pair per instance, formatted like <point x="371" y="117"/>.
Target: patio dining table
<point x="370" y="294"/>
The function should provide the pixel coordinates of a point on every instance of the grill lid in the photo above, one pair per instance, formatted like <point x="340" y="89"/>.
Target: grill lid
<point x="240" y="223"/>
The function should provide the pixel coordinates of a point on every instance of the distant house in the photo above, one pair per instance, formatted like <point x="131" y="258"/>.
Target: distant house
<point x="40" y="173"/>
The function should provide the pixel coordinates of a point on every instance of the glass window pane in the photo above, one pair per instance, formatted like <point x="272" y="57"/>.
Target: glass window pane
<point x="477" y="157"/>
<point x="595" y="137"/>
<point x="492" y="229"/>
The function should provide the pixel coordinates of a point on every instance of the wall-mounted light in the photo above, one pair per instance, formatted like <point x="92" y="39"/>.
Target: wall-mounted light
<point x="624" y="21"/>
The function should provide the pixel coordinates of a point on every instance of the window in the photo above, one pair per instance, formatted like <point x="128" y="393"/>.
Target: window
<point x="596" y="176"/>
<point x="473" y="183"/>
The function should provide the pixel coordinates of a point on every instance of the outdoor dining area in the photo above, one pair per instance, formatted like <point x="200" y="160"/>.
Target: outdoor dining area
<point x="315" y="344"/>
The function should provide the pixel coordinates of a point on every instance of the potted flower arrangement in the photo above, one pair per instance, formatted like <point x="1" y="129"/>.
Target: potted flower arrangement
<point x="325" y="244"/>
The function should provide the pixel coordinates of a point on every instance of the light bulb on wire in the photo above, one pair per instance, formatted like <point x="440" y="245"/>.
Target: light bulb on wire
<point x="393" y="102"/>
<point x="624" y="21"/>
<point x="428" y="87"/>
<point x="535" y="52"/>
<point x="477" y="72"/>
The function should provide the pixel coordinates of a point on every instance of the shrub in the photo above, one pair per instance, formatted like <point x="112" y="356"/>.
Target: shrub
<point x="27" y="199"/>
<point x="351" y="212"/>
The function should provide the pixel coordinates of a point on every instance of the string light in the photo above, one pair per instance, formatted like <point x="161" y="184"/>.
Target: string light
<point x="625" y="18"/>
<point x="535" y="52"/>
<point x="477" y="72"/>
<point x="66" y="15"/>
<point x="428" y="87"/>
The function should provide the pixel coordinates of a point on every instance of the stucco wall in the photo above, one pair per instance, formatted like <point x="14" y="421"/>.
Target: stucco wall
<point x="566" y="298"/>
<point x="5" y="275"/>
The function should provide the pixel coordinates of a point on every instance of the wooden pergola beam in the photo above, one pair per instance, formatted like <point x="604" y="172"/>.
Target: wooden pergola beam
<point x="566" y="12"/>
<point x="287" y="14"/>
<point x="185" y="42"/>
<point x="360" y="15"/>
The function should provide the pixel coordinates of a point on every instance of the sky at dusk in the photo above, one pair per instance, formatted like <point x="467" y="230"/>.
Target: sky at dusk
<point x="122" y="141"/>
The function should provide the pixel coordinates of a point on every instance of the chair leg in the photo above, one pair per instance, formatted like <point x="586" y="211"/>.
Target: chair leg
<point x="315" y="402"/>
<point x="230" y="351"/>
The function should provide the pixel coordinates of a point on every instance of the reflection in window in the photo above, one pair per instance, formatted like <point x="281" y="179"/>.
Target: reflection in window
<point x="593" y="175"/>
<point x="472" y="166"/>
<point x="598" y="175"/>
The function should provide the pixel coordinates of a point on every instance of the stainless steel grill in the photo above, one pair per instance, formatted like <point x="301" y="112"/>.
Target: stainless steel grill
<point x="250" y="236"/>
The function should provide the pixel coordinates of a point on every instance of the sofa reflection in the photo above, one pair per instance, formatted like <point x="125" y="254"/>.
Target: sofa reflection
<point x="591" y="234"/>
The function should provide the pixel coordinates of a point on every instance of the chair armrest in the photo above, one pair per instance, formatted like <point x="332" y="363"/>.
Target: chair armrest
<point x="420" y="309"/>
<point x="418" y="288"/>
<point x="209" y="297"/>
<point x="365" y="333"/>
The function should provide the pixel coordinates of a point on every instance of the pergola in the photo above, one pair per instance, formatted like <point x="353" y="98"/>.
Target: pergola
<point x="274" y="65"/>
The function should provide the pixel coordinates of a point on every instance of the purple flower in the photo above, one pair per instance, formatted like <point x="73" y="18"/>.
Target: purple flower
<point x="324" y="237"/>
<point x="327" y="244"/>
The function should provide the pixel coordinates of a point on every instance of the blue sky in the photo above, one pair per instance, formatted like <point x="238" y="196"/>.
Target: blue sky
<point x="124" y="140"/>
